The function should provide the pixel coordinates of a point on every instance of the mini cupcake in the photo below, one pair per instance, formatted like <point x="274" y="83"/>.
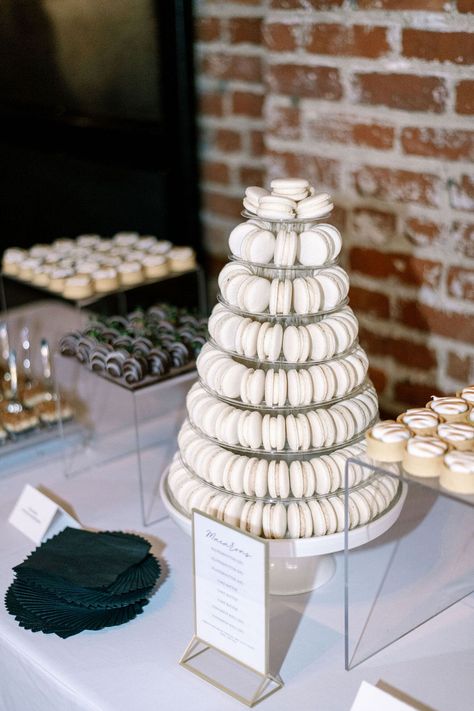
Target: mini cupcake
<point x="42" y="276"/>
<point x="181" y="258"/>
<point x="78" y="287"/>
<point x="450" y="409"/>
<point x="459" y="435"/>
<point x="12" y="259"/>
<point x="457" y="473"/>
<point x="420" y="421"/>
<point x="386" y="441"/>
<point x="155" y="265"/>
<point x="28" y="268"/>
<point x="105" y="279"/>
<point x="130" y="273"/>
<point x="39" y="251"/>
<point x="88" y="241"/>
<point x="87" y="268"/>
<point x="423" y="456"/>
<point x="126" y="239"/>
<point x="58" y="278"/>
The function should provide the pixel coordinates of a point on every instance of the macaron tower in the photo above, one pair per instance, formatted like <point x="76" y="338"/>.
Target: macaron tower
<point x="283" y="397"/>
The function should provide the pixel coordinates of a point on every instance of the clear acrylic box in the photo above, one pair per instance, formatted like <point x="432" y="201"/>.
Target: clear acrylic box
<point x="421" y="566"/>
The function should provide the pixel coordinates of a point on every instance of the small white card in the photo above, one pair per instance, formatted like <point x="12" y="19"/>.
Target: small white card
<point x="38" y="516"/>
<point x="231" y="591"/>
<point x="371" y="698"/>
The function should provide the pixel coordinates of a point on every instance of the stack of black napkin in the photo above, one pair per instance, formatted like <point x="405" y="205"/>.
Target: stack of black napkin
<point x="80" y="580"/>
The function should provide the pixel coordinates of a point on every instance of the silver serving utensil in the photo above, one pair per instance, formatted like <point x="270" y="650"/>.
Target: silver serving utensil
<point x="14" y="405"/>
<point x="47" y="369"/>
<point x="26" y="356"/>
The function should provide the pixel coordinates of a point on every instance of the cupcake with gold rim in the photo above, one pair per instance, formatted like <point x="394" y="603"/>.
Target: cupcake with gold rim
<point x="458" y="435"/>
<point x="423" y="456"/>
<point x="457" y="473"/>
<point x="386" y="441"/>
<point x="420" y="421"/>
<point x="449" y="409"/>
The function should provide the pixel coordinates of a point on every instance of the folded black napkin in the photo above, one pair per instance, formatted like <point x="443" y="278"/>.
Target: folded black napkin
<point x="80" y="580"/>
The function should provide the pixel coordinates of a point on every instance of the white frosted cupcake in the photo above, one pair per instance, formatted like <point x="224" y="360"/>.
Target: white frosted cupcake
<point x="28" y="268"/>
<point x="457" y="473"/>
<point x="450" y="409"/>
<point x="163" y="246"/>
<point x="78" y="287"/>
<point x="155" y="265"/>
<point x="87" y="268"/>
<point x="88" y="241"/>
<point x="459" y="435"/>
<point x="104" y="246"/>
<point x="105" y="279"/>
<point x="130" y="273"/>
<point x="12" y="259"/>
<point x="423" y="456"/>
<point x="63" y="244"/>
<point x="181" y="258"/>
<point x="39" y="251"/>
<point x="42" y="276"/>
<point x="57" y="280"/>
<point x="386" y="441"/>
<point x="125" y="239"/>
<point x="420" y="421"/>
<point x="146" y="242"/>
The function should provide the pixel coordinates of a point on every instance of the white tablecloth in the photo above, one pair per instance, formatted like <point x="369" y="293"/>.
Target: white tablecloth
<point x="135" y="666"/>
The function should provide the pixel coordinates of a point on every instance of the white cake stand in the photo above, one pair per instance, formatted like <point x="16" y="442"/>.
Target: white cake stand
<point x="298" y="565"/>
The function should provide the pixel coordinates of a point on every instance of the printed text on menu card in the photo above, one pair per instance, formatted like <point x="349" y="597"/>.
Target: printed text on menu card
<point x="231" y="591"/>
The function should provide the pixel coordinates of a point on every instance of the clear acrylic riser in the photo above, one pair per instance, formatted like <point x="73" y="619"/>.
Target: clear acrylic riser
<point x="421" y="566"/>
<point x="303" y="564"/>
<point x="186" y="288"/>
<point x="139" y="424"/>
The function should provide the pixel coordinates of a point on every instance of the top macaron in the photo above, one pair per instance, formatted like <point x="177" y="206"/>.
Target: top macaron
<point x="289" y="199"/>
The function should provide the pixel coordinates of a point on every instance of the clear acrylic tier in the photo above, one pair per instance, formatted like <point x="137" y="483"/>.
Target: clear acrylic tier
<point x="288" y="319"/>
<point x="418" y="568"/>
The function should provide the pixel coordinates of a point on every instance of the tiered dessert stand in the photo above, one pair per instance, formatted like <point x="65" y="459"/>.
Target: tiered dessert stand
<point x="297" y="564"/>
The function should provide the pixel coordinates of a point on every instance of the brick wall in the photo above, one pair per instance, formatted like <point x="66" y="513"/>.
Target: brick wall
<point x="374" y="101"/>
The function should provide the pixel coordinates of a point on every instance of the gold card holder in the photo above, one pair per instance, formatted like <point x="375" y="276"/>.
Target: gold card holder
<point x="229" y="648"/>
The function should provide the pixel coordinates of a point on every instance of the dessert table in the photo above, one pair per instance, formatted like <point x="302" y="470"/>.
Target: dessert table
<point x="136" y="665"/>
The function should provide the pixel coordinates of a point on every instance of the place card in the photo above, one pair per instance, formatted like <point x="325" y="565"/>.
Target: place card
<point x="38" y="517"/>
<point x="371" y="698"/>
<point x="231" y="610"/>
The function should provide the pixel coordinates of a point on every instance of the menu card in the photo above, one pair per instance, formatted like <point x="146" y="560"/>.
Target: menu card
<point x="231" y="591"/>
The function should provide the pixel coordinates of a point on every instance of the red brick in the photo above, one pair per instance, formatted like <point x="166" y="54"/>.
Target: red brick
<point x="251" y="176"/>
<point x="439" y="143"/>
<point x="305" y="4"/>
<point x="460" y="368"/>
<point x="247" y="103"/>
<point x="422" y="232"/>
<point x="228" y="66"/>
<point x="465" y="97"/>
<point x="323" y="172"/>
<point x="284" y="122"/>
<point x="227" y="140"/>
<point x="427" y="5"/>
<point x="257" y="143"/>
<point x="462" y="235"/>
<point x="465" y="5"/>
<point x="379" y="379"/>
<point x="339" y="218"/>
<point x="398" y="185"/>
<point x="401" y="350"/>
<point x="340" y="129"/>
<point x="374" y="225"/>
<point x="245" y="29"/>
<point x="373" y="303"/>
<point x="451" y="324"/>
<point x="415" y="394"/>
<point x="461" y="193"/>
<point x="211" y="103"/>
<point x="402" y="91"/>
<point x="304" y="81"/>
<point x="222" y="204"/>
<point x="279" y="37"/>
<point x="403" y="267"/>
<point x="457" y="47"/>
<point x="207" y="29"/>
<point x="348" y="41"/>
<point x="215" y="172"/>
<point x="461" y="283"/>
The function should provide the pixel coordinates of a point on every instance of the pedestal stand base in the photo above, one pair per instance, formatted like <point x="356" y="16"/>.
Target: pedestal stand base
<point x="293" y="576"/>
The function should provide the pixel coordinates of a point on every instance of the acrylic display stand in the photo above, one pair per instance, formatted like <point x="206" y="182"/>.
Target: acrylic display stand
<point x="422" y="565"/>
<point x="139" y="424"/>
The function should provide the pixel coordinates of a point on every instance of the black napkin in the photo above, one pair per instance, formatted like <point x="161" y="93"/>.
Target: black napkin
<point x="80" y="580"/>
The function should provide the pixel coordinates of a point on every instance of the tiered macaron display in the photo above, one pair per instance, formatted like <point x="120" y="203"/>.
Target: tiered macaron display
<point x="434" y="441"/>
<point x="141" y="348"/>
<point x="283" y="397"/>
<point x="92" y="265"/>
<point x="27" y="403"/>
